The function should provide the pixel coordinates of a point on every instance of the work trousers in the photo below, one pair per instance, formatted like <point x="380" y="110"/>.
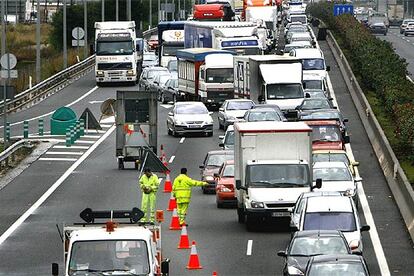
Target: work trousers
<point x="182" y="211"/>
<point x="148" y="206"/>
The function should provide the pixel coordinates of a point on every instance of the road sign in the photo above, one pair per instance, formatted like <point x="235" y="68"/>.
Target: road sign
<point x="4" y="74"/>
<point x="79" y="43"/>
<point x="12" y="61"/>
<point x="342" y="9"/>
<point x="78" y="33"/>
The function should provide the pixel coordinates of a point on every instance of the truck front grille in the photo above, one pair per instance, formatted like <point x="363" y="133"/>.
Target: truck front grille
<point x="280" y="205"/>
<point x="115" y="66"/>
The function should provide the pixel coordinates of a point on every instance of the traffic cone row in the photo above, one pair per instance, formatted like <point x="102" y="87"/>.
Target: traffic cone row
<point x="167" y="183"/>
<point x="172" y="204"/>
<point x="175" y="222"/>
<point x="163" y="157"/>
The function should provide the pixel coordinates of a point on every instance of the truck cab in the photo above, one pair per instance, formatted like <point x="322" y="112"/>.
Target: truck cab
<point x="170" y="40"/>
<point x="215" y="11"/>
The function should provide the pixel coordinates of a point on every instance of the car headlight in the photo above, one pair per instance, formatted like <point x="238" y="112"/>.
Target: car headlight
<point x="130" y="73"/>
<point x="100" y="73"/>
<point x="209" y="178"/>
<point x="178" y="122"/>
<point x="256" y="204"/>
<point x="294" y="271"/>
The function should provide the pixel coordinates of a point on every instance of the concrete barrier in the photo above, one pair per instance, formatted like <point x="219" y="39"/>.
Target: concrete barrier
<point x="397" y="180"/>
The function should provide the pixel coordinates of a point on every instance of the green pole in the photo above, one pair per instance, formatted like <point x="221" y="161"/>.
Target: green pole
<point x="82" y="127"/>
<point x="41" y="127"/>
<point x="72" y="134"/>
<point x="68" y="141"/>
<point x="25" y="129"/>
<point x="7" y="132"/>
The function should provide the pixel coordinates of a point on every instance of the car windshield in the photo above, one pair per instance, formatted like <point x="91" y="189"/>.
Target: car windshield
<point x="107" y="255"/>
<point x="332" y="174"/>
<point x="114" y="48"/>
<point x="263" y="116"/>
<point x="244" y="51"/>
<point x="218" y="75"/>
<point x="323" y="115"/>
<point x="313" y="64"/>
<point x="191" y="109"/>
<point x="284" y="91"/>
<point x="150" y="57"/>
<point x="216" y="160"/>
<point x="315" y="94"/>
<point x="326" y="134"/>
<point x="163" y="79"/>
<point x="239" y="105"/>
<point x="315" y="103"/>
<point x="172" y="65"/>
<point x="171" y="50"/>
<point x="313" y="84"/>
<point x="153" y="73"/>
<point x="311" y="246"/>
<point x="300" y="38"/>
<point x="301" y="19"/>
<point x="229" y="139"/>
<point x="342" y="221"/>
<point x="331" y="157"/>
<point x="277" y="175"/>
<point x="228" y="171"/>
<point x="331" y="269"/>
<point x="174" y="83"/>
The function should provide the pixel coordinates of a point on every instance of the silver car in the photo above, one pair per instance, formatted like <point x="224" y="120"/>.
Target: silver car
<point x="189" y="117"/>
<point x="148" y="74"/>
<point x="149" y="60"/>
<point x="232" y="111"/>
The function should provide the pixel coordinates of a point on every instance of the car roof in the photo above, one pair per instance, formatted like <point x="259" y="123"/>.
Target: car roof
<point x="327" y="204"/>
<point x="337" y="258"/>
<point x="230" y="128"/>
<point x="321" y="194"/>
<point x="189" y="103"/>
<point x="329" y="152"/>
<point x="261" y="110"/>
<point x="312" y="233"/>
<point x="329" y="122"/>
<point x="308" y="53"/>
<point x="312" y="76"/>
<point x="319" y="165"/>
<point x="220" y="152"/>
<point x="156" y="68"/>
<point x="239" y="100"/>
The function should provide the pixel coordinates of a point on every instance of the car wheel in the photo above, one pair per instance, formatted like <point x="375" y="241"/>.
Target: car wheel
<point x="204" y="190"/>
<point x="169" y="131"/>
<point x="173" y="132"/>
<point x="401" y="32"/>
<point x="220" y="125"/>
<point x="120" y="164"/>
<point x="209" y="134"/>
<point x="240" y="215"/>
<point x="405" y="34"/>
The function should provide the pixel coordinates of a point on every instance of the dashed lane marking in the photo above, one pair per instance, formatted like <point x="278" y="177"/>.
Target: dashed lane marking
<point x="249" y="247"/>
<point x="71" y="147"/>
<point x="64" y="153"/>
<point x="84" y="142"/>
<point x="171" y="159"/>
<point x="58" y="159"/>
<point x="182" y="140"/>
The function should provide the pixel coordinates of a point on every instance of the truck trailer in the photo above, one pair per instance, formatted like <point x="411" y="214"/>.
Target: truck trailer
<point x="216" y="11"/>
<point x="205" y="74"/>
<point x="170" y="40"/>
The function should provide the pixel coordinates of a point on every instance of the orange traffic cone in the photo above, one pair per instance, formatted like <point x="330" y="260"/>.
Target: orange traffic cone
<point x="175" y="222"/>
<point x="184" y="242"/>
<point x="193" y="262"/>
<point x="172" y="204"/>
<point x="167" y="183"/>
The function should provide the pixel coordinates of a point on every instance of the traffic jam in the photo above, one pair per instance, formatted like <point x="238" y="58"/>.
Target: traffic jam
<point x="284" y="155"/>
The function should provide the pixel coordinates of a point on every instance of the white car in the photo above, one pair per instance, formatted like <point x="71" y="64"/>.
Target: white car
<point x="329" y="211"/>
<point x="233" y="111"/>
<point x="189" y="117"/>
<point x="314" y="81"/>
<point x="227" y="140"/>
<point x="312" y="61"/>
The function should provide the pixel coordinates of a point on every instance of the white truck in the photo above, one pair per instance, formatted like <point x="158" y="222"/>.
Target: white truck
<point x="116" y="55"/>
<point x="112" y="248"/>
<point x="264" y="16"/>
<point x="270" y="79"/>
<point x="273" y="166"/>
<point x="172" y="40"/>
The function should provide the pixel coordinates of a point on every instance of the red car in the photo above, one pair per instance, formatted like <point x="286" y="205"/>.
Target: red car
<point x="326" y="135"/>
<point x="225" y="185"/>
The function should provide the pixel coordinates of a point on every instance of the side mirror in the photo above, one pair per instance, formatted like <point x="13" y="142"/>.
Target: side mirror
<point x="365" y="228"/>
<point x="165" y="267"/>
<point x="345" y="120"/>
<point x="201" y="166"/>
<point x="355" y="163"/>
<point x="357" y="252"/>
<point x="307" y="95"/>
<point x="238" y="184"/>
<point x="318" y="184"/>
<point x="347" y="140"/>
<point x="221" y="145"/>
<point x="330" y="98"/>
<point x="221" y="137"/>
<point x="221" y="109"/>
<point x="328" y="68"/>
<point x="55" y="269"/>
<point x="216" y="175"/>
<point x="282" y="254"/>
<point x="170" y="114"/>
<point x="294" y="228"/>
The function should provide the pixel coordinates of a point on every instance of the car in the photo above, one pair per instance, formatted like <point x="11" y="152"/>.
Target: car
<point x="262" y="114"/>
<point x="272" y="106"/>
<point x="315" y="93"/>
<point x="227" y="140"/>
<point x="326" y="134"/>
<point x="306" y="244"/>
<point x="404" y="24"/>
<point x="328" y="114"/>
<point x="211" y="165"/>
<point x="329" y="211"/>
<point x="314" y="81"/>
<point x="189" y="117"/>
<point x="362" y="18"/>
<point x="313" y="61"/>
<point x="380" y="28"/>
<point x="232" y="111"/>
<point x="148" y="74"/>
<point x="409" y="29"/>
<point x="337" y="177"/>
<point x="149" y="59"/>
<point x="336" y="264"/>
<point x="290" y="33"/>
<point x="301" y="37"/>
<point x="158" y="82"/>
<point x="296" y="45"/>
<point x="337" y="156"/>
<point x="311" y="104"/>
<point x="169" y="91"/>
<point x="225" y="194"/>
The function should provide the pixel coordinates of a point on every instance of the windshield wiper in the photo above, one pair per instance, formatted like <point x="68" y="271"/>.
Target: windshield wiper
<point x="260" y="182"/>
<point x="123" y="270"/>
<point x="94" y="271"/>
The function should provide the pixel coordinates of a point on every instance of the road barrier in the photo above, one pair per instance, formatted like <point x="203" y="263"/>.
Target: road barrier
<point x="397" y="180"/>
<point x="8" y="154"/>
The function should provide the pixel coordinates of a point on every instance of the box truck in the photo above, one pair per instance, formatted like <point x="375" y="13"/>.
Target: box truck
<point x="170" y="40"/>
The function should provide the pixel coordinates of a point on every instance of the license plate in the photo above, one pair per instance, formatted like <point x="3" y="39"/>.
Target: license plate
<point x="280" y="214"/>
<point x="193" y="126"/>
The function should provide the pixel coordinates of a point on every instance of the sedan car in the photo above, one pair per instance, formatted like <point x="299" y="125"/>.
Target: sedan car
<point x="409" y="29"/>
<point x="306" y="244"/>
<point x="379" y="28"/>
<point x="261" y="115"/>
<point x="212" y="162"/>
<point x="404" y="24"/>
<point x="311" y="104"/>
<point x="232" y="111"/>
<point x="149" y="59"/>
<point x="169" y="91"/>
<point x="337" y="156"/>
<point x="189" y="117"/>
<point x="227" y="140"/>
<point x="330" y="265"/>
<point x="225" y="194"/>
<point x="148" y="74"/>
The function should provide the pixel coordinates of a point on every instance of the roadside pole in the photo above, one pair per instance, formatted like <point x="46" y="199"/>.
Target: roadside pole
<point x="159" y="11"/>
<point x="179" y="9"/>
<point x="150" y="14"/>
<point x="165" y="11"/>
<point x="140" y="19"/>
<point x="85" y="27"/>
<point x="65" y="39"/>
<point x="116" y="10"/>
<point x="3" y="51"/>
<point x="103" y="11"/>
<point x="128" y="9"/>
<point x="38" y="76"/>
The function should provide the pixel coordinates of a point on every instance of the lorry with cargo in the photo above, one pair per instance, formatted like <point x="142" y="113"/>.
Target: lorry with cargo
<point x="270" y="79"/>
<point x="239" y="37"/>
<point x="269" y="179"/>
<point x="116" y="57"/>
<point x="113" y="247"/>
<point x="205" y="74"/>
<point x="216" y="11"/>
<point x="170" y="40"/>
<point x="266" y="18"/>
<point x="236" y="5"/>
<point x="395" y="14"/>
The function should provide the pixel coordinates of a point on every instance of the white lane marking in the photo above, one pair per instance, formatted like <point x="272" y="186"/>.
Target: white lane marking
<point x="249" y="247"/>
<point x="166" y="105"/>
<point x="171" y="159"/>
<point x="182" y="140"/>
<point x="94" y="102"/>
<point x="91" y="136"/>
<point x="83" y="142"/>
<point x="56" y="185"/>
<point x="104" y="126"/>
<point x="71" y="147"/>
<point x="57" y="159"/>
<point x="50" y="113"/>
<point x="373" y="233"/>
<point x="109" y="120"/>
<point x="64" y="153"/>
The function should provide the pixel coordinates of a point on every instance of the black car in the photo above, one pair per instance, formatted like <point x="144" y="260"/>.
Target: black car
<point x="169" y="91"/>
<point x="378" y="28"/>
<point x="329" y="265"/>
<point x="306" y="244"/>
<point x="272" y="106"/>
<point x="327" y="114"/>
<point x="312" y="104"/>
<point x="262" y="114"/>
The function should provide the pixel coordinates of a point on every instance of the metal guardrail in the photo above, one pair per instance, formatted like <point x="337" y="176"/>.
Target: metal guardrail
<point x="397" y="180"/>
<point x="56" y="81"/>
<point x="9" y="152"/>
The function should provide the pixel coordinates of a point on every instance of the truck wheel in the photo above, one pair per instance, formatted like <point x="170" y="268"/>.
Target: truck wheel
<point x="169" y="131"/>
<point x="174" y="98"/>
<point x="240" y="215"/>
<point x="120" y="164"/>
<point x="136" y="165"/>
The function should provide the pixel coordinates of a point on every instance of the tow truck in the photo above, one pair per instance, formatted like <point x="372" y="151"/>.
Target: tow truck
<point x="112" y="247"/>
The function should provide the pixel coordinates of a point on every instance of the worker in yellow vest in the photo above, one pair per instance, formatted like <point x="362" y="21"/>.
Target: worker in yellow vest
<point x="149" y="184"/>
<point x="182" y="192"/>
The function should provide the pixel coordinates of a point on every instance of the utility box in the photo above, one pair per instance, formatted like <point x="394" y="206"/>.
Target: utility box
<point x="62" y="119"/>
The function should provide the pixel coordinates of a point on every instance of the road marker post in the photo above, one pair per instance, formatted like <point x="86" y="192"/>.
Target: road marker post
<point x="8" y="131"/>
<point x="68" y="144"/>
<point x="25" y="129"/>
<point x="72" y="134"/>
<point x="77" y="124"/>
<point x="82" y="127"/>
<point x="41" y="127"/>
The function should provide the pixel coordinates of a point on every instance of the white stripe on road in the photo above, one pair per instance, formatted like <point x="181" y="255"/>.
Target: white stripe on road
<point x="249" y="247"/>
<point x="58" y="159"/>
<point x="171" y="159"/>
<point x="71" y="147"/>
<point x="182" y="140"/>
<point x="91" y="136"/>
<point x="65" y="153"/>
<point x="50" y="113"/>
<point x="56" y="185"/>
<point x="84" y="142"/>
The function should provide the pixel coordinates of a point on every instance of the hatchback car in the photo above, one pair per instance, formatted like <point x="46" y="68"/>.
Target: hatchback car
<point x="409" y="29"/>
<point x="378" y="28"/>
<point x="262" y="114"/>
<point x="330" y="265"/>
<point x="227" y="140"/>
<point x="225" y="194"/>
<point x="189" y="117"/>
<point x="306" y="244"/>
<point x="404" y="24"/>
<point x="326" y="134"/>
<point x="148" y="74"/>
<point x="159" y="82"/>
<point x="169" y="91"/>
<point x="232" y="111"/>
<point x="212" y="162"/>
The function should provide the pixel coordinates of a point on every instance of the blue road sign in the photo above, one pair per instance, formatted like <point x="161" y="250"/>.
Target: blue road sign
<point x="343" y="8"/>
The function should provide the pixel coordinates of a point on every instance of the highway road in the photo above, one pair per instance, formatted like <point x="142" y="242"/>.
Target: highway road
<point x="64" y="188"/>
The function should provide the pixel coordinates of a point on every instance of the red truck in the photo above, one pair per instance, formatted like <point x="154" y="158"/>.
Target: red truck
<point x="213" y="12"/>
